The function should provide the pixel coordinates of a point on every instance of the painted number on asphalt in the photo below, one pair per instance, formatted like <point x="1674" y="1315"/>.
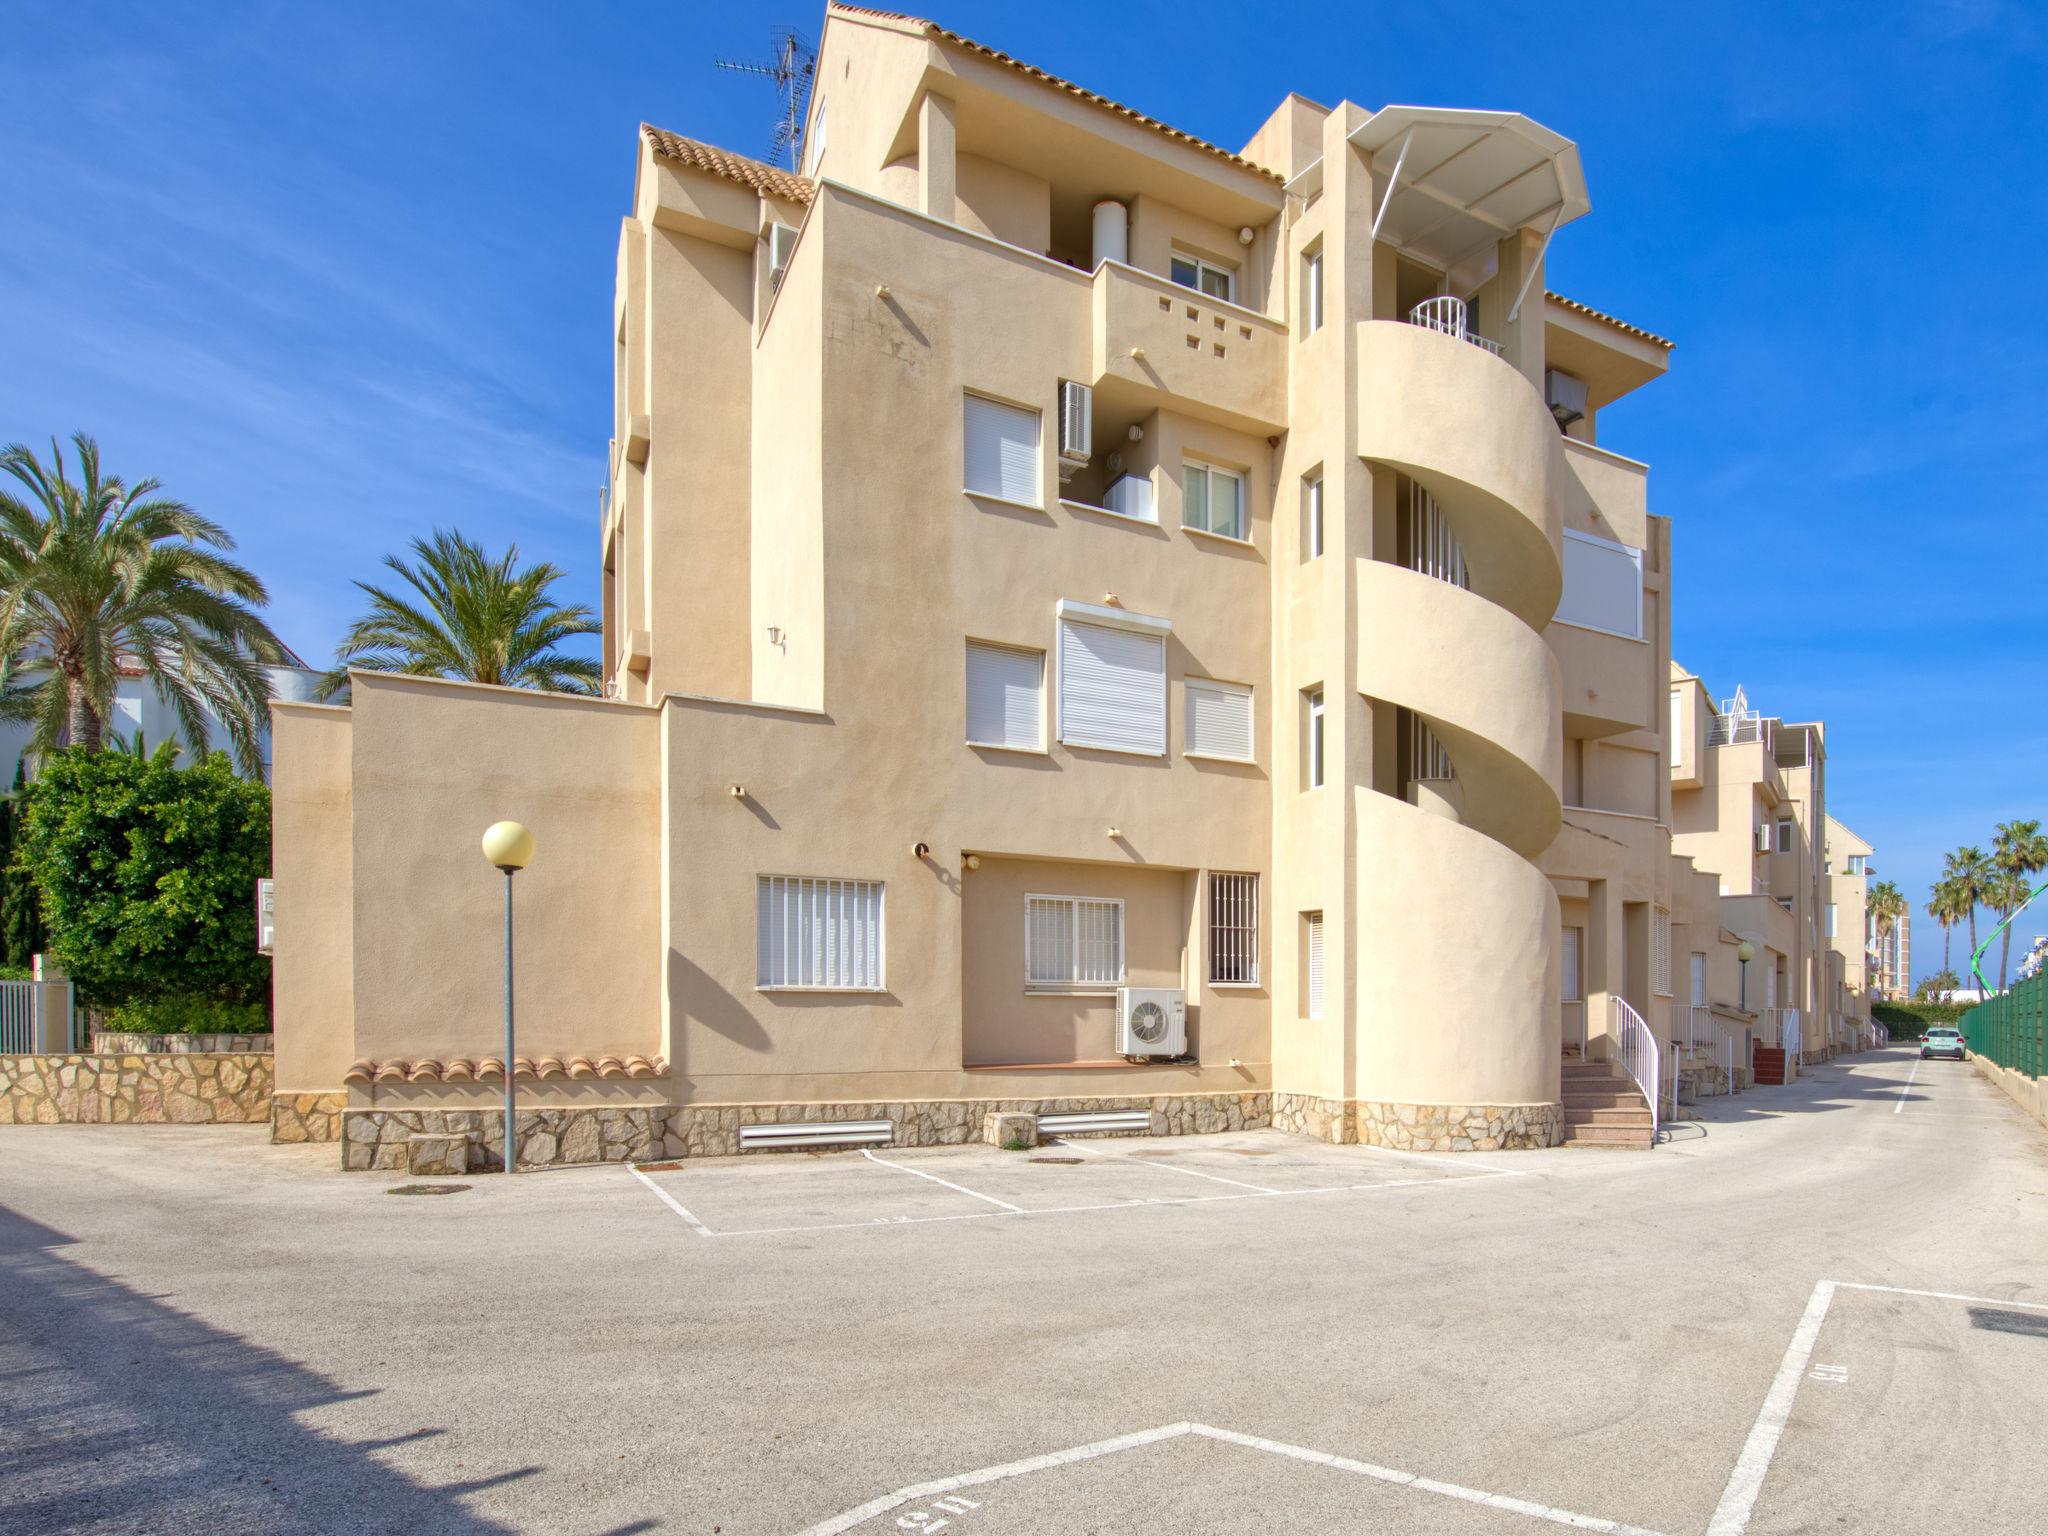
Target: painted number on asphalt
<point x="924" y="1520"/>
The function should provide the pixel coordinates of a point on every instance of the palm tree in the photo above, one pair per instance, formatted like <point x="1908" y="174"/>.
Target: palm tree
<point x="472" y="618"/>
<point x="2017" y="850"/>
<point x="1970" y="873"/>
<point x="1945" y="907"/>
<point x="1887" y="906"/>
<point x="95" y="573"/>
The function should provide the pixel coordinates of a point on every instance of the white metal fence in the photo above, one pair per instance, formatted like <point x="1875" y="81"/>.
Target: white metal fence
<point x="37" y="1016"/>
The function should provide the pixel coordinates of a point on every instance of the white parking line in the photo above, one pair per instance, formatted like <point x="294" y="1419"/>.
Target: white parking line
<point x="958" y="1188"/>
<point x="1987" y="1301"/>
<point x="1738" y="1499"/>
<point x="666" y="1199"/>
<point x="1907" y="1086"/>
<point x="1194" y="1173"/>
<point x="874" y="1507"/>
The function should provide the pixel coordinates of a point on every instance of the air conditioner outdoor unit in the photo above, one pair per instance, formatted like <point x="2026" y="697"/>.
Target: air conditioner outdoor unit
<point x="1565" y="395"/>
<point x="1151" y="1021"/>
<point x="1763" y="837"/>
<point x="1077" y="434"/>
<point x="781" y="244"/>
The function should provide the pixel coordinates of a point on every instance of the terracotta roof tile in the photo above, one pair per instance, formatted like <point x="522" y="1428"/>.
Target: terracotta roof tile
<point x="1593" y="314"/>
<point x="461" y="1070"/>
<point x="758" y="174"/>
<point x="934" y="30"/>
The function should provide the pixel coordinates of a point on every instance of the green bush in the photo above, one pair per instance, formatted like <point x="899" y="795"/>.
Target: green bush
<point x="184" y="1015"/>
<point x="1908" y="1021"/>
<point x="148" y="873"/>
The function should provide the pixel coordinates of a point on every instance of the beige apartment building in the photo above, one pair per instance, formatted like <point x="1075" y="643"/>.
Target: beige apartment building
<point x="1096" y="624"/>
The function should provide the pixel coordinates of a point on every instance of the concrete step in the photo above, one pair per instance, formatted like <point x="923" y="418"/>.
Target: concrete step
<point x="1608" y="1136"/>
<point x="1601" y="1095"/>
<point x="1619" y="1114"/>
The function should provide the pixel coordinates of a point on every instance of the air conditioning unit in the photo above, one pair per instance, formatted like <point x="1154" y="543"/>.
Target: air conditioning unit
<point x="266" y="916"/>
<point x="1077" y="426"/>
<point x="1565" y="395"/>
<point x="1151" y="1021"/>
<point x="781" y="245"/>
<point x="1763" y="837"/>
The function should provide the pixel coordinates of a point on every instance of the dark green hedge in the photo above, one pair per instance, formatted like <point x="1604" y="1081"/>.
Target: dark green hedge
<point x="1908" y="1021"/>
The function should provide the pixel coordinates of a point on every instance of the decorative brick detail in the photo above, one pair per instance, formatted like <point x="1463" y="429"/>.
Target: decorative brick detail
<point x="1457" y="1127"/>
<point x="296" y="1117"/>
<point x="135" y="1090"/>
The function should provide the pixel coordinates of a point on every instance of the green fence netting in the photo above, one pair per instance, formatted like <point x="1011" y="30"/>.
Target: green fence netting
<point x="2012" y="1028"/>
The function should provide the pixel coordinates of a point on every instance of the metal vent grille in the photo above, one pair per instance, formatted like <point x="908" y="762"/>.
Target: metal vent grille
<point x="1095" y="1122"/>
<point x="819" y="1133"/>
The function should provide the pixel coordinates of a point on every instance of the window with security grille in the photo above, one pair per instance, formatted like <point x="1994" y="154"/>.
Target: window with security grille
<point x="1660" y="952"/>
<point x="1234" y="930"/>
<point x="824" y="934"/>
<point x="1073" y="941"/>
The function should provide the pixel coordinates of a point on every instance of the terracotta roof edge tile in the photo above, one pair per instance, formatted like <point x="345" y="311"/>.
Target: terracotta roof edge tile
<point x="1621" y="325"/>
<point x="770" y="180"/>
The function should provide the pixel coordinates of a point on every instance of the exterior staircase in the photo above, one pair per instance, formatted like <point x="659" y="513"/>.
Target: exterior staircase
<point x="1603" y="1108"/>
<point x="1770" y="1066"/>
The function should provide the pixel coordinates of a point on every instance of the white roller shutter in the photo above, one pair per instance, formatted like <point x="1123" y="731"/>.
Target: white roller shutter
<point x="1005" y="696"/>
<point x="1603" y="585"/>
<point x="1315" y="965"/>
<point x="1002" y="451"/>
<point x="1218" y="719"/>
<point x="1112" y="689"/>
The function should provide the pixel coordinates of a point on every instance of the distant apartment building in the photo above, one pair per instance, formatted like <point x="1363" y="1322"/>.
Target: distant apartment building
<point x="1094" y="622"/>
<point x="1890" y="949"/>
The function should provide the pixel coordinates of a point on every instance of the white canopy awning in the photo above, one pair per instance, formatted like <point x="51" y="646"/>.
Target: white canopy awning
<point x="1450" y="182"/>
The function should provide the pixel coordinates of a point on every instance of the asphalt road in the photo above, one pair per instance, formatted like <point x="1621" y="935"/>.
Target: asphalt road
<point x="200" y="1331"/>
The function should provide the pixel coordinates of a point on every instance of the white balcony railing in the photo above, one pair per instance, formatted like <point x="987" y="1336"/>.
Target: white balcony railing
<point x="1447" y="314"/>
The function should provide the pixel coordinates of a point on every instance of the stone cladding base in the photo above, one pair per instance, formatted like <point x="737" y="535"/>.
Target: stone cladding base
<point x="1420" y="1127"/>
<point x="135" y="1090"/>
<point x="307" y="1116"/>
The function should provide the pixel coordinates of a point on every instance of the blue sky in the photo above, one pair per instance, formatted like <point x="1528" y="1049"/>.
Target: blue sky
<point x="339" y="274"/>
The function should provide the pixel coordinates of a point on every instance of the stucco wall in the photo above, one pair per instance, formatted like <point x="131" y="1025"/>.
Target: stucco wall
<point x="312" y="862"/>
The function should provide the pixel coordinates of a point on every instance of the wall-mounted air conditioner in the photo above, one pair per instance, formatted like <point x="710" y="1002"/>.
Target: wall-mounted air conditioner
<point x="781" y="245"/>
<point x="1077" y="426"/>
<point x="1763" y="837"/>
<point x="1565" y="395"/>
<point x="1151" y="1021"/>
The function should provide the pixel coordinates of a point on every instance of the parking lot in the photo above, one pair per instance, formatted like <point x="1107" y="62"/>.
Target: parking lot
<point x="1817" y="1308"/>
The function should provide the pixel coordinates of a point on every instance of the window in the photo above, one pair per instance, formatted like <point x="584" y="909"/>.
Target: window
<point x="821" y="934"/>
<point x="1677" y="729"/>
<point x="1073" y="941"/>
<point x="1204" y="276"/>
<point x="1312" y="293"/>
<point x="1568" y="968"/>
<point x="1312" y="943"/>
<point x="1699" y="980"/>
<point x="1002" y="451"/>
<point x="1784" y="843"/>
<point x="1660" y="952"/>
<point x="1212" y="500"/>
<point x="1603" y="586"/>
<point x="1831" y="919"/>
<point x="1233" y="930"/>
<point x="1217" y="718"/>
<point x="1005" y="697"/>
<point x="1312" y="703"/>
<point x="1112" y="688"/>
<point x="1312" y="517"/>
<point x="814" y="151"/>
<point x="1859" y="863"/>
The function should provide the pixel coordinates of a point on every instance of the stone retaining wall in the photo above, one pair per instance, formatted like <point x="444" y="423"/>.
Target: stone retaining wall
<point x="110" y="1042"/>
<point x="216" y="1089"/>
<point x="375" y="1138"/>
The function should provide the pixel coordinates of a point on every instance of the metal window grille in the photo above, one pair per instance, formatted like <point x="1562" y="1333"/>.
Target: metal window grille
<point x="1432" y="546"/>
<point x="1427" y="758"/>
<point x="1234" y="929"/>
<point x="818" y="933"/>
<point x="1660" y="952"/>
<point x="1073" y="941"/>
<point x="1315" y="964"/>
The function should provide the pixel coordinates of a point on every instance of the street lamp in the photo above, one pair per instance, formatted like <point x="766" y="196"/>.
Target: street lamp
<point x="509" y="846"/>
<point x="1745" y="952"/>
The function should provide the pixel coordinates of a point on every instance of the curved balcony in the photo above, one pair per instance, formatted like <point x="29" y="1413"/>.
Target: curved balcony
<point x="1458" y="973"/>
<point x="1472" y="431"/>
<point x="1485" y="683"/>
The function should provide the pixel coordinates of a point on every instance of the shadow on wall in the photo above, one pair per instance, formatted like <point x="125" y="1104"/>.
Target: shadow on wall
<point x="119" y="1412"/>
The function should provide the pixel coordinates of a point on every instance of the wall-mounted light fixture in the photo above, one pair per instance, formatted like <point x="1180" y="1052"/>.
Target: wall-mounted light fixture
<point x="882" y="291"/>
<point x="1116" y="832"/>
<point x="920" y="850"/>
<point x="738" y="791"/>
<point x="777" y="634"/>
<point x="974" y="861"/>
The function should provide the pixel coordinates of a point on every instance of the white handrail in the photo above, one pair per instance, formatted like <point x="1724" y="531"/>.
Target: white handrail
<point x="1447" y="313"/>
<point x="1635" y="1051"/>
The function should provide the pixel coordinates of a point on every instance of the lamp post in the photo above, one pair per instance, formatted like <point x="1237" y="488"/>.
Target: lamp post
<point x="1745" y="952"/>
<point x="509" y="847"/>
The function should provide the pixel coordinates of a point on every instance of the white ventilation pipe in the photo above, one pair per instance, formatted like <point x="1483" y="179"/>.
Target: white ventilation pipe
<point x="1112" y="232"/>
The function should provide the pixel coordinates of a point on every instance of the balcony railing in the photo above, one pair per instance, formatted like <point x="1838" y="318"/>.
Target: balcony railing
<point x="1447" y="314"/>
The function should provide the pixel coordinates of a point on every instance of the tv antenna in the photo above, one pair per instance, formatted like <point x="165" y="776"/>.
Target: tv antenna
<point x="792" y="68"/>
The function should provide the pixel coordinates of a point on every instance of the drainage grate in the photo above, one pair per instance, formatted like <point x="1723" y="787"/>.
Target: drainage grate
<point x="427" y="1189"/>
<point x="1095" y="1122"/>
<point x="827" y="1133"/>
<point x="1056" y="1159"/>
